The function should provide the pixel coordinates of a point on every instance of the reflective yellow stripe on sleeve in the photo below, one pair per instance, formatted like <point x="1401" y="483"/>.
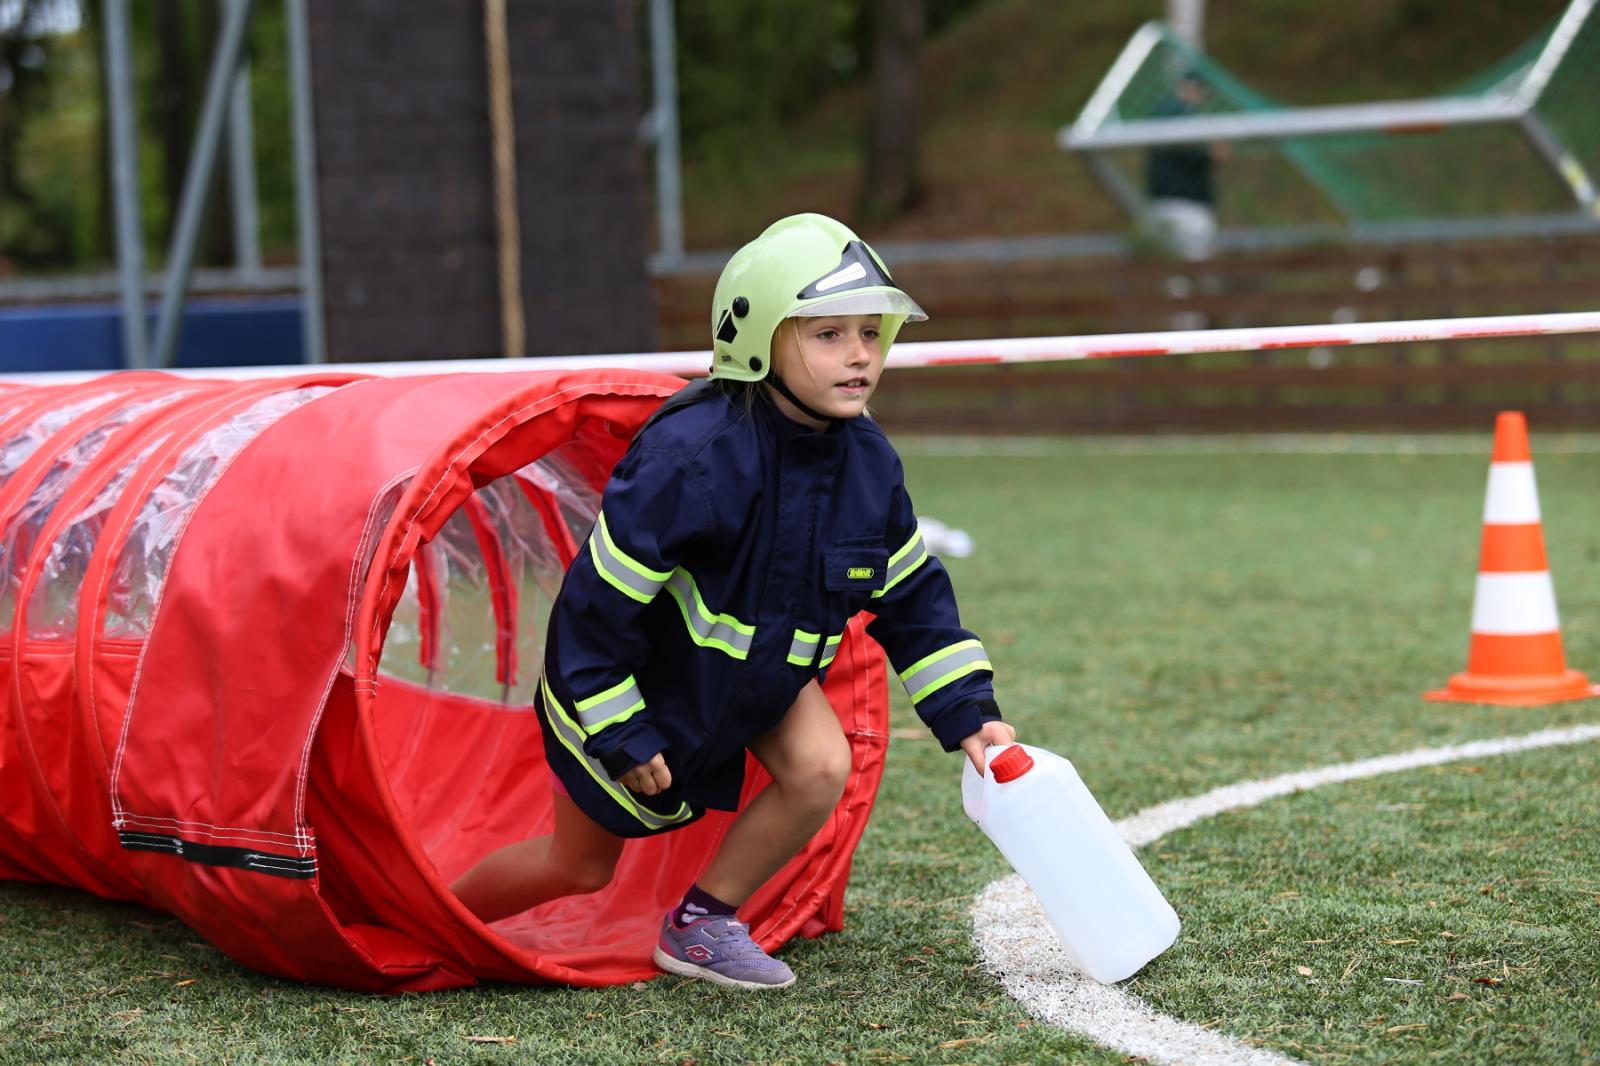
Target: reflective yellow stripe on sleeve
<point x="930" y="674"/>
<point x="621" y="571"/>
<point x="911" y="555"/>
<point x="616" y="704"/>
<point x="830" y="649"/>
<point x="803" y="648"/>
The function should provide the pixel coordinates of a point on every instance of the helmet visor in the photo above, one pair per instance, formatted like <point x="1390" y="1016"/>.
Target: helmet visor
<point x="880" y="302"/>
<point x="857" y="285"/>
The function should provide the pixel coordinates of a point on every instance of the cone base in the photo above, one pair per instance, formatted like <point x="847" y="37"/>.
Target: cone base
<point x="1515" y="691"/>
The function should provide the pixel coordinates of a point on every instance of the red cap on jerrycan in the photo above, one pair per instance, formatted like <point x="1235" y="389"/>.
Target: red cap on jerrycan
<point x="1011" y="764"/>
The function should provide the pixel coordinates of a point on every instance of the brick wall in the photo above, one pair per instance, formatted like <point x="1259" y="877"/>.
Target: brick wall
<point x="406" y="187"/>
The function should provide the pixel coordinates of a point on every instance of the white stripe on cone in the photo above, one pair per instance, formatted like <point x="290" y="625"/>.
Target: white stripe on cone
<point x="1515" y="605"/>
<point x="1513" y="497"/>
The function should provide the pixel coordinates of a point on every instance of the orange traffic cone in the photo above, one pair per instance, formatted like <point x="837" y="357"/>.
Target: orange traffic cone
<point x="1515" y="657"/>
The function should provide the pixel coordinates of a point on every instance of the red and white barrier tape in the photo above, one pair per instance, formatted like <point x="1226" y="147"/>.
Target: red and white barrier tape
<point x="962" y="353"/>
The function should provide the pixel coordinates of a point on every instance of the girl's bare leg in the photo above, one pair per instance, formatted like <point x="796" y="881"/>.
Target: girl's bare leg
<point x="809" y="760"/>
<point x="578" y="857"/>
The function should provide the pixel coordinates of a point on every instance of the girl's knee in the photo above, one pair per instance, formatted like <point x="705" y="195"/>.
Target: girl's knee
<point x="589" y="873"/>
<point x="821" y="775"/>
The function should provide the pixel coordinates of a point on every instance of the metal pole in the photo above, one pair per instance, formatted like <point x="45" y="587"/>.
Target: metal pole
<point x="1188" y="19"/>
<point x="669" y="177"/>
<point x="125" y="184"/>
<point x="305" y="184"/>
<point x="1390" y="116"/>
<point x="1116" y="186"/>
<point x="1567" y="167"/>
<point x="197" y="178"/>
<point x="242" y="171"/>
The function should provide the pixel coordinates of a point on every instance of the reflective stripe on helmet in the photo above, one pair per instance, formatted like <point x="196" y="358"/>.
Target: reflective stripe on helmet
<point x="707" y="628"/>
<point x="627" y="575"/>
<point x="616" y="704"/>
<point x="857" y="268"/>
<point x="876" y="302"/>
<point x="930" y="674"/>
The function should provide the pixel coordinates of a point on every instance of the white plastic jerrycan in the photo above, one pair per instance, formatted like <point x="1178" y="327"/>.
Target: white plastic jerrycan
<point x="1105" y="910"/>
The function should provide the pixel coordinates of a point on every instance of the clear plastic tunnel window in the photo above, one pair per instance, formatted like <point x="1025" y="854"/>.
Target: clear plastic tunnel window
<point x="141" y="568"/>
<point x="471" y="621"/>
<point x="16" y="448"/>
<point x="53" y="605"/>
<point x="23" y="528"/>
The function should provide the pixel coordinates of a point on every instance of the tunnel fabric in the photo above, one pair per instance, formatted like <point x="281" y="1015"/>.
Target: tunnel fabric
<point x="241" y="754"/>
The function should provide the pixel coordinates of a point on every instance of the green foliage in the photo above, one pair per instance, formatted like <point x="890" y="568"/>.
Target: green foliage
<point x="746" y="67"/>
<point x="46" y="167"/>
<point x="55" y="213"/>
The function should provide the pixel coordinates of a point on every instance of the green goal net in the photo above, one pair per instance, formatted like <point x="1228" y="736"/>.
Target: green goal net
<point x="1520" y="139"/>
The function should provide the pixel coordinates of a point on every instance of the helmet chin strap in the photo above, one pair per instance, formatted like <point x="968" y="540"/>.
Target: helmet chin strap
<point x="788" y="394"/>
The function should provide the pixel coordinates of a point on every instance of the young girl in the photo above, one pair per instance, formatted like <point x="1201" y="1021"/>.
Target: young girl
<point x="751" y="517"/>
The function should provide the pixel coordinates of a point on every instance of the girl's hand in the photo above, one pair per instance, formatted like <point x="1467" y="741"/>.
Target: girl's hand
<point x="994" y="732"/>
<point x="648" y="778"/>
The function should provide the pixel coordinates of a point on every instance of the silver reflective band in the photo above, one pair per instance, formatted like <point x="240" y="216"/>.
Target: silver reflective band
<point x="830" y="649"/>
<point x="927" y="676"/>
<point x="615" y="704"/>
<point x="632" y="579"/>
<point x="911" y="555"/>
<point x="707" y="628"/>
<point x="804" y="647"/>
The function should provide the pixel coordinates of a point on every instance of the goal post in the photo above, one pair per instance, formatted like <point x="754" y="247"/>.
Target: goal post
<point x="1520" y="139"/>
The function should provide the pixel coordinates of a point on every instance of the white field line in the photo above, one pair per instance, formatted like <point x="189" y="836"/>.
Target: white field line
<point x="940" y="447"/>
<point x="1017" y="945"/>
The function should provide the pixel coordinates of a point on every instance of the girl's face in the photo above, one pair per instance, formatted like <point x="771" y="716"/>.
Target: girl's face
<point x="833" y="364"/>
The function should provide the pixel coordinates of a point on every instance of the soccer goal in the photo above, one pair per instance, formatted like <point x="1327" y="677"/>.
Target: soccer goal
<point x="1521" y="139"/>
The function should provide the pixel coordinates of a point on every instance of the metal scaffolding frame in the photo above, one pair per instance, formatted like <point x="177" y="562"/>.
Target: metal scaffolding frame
<point x="662" y="131"/>
<point x="226" y="107"/>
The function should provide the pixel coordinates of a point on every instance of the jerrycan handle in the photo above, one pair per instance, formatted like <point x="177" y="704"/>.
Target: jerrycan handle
<point x="1010" y="764"/>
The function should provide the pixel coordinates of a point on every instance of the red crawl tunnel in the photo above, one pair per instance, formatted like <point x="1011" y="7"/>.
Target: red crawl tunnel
<point x="272" y="650"/>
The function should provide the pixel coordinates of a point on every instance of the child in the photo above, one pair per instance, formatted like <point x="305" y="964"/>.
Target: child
<point x="751" y="517"/>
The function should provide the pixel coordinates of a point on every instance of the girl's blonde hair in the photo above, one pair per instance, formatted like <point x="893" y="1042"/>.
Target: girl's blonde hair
<point x="745" y="393"/>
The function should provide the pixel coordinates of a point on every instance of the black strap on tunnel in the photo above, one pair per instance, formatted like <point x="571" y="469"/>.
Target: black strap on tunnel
<point x="261" y="862"/>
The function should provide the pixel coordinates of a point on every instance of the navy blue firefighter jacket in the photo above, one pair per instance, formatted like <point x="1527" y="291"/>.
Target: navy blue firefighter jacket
<point x="732" y="546"/>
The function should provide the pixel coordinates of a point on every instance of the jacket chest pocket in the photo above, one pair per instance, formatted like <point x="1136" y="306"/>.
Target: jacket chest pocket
<point x="851" y="573"/>
<point x="855" y="570"/>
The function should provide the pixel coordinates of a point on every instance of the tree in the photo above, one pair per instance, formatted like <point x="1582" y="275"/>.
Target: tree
<point x="892" y="180"/>
<point x="24" y="236"/>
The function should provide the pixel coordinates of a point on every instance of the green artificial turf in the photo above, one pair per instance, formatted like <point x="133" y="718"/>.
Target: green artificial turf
<point x="1450" y="913"/>
<point x="1172" y="616"/>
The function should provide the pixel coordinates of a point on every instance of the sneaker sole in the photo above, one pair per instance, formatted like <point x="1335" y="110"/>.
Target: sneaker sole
<point x="689" y="969"/>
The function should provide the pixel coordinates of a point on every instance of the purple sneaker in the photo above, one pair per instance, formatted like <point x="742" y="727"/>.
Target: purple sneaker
<point x="719" y="950"/>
